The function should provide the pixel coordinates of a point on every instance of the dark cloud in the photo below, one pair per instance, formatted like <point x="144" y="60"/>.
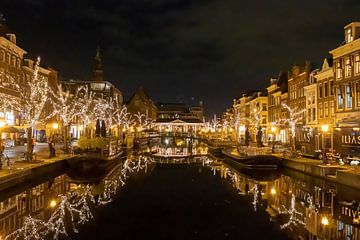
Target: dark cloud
<point x="178" y="49"/>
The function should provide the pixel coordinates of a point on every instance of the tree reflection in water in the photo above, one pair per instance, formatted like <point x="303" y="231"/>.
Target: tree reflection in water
<point x="76" y="207"/>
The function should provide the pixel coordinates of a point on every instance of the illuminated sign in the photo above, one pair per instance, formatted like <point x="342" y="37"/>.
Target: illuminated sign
<point x="353" y="214"/>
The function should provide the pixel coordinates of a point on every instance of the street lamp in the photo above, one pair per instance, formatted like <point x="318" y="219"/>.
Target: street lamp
<point x="324" y="221"/>
<point x="324" y="129"/>
<point x="53" y="203"/>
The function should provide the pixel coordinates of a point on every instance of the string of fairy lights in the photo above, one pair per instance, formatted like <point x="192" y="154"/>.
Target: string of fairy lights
<point x="76" y="207"/>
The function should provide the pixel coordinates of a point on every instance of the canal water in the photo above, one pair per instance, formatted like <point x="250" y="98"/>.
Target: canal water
<point x="203" y="200"/>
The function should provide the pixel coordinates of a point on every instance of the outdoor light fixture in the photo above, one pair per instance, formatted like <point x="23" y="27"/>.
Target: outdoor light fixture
<point x="273" y="129"/>
<point x="324" y="221"/>
<point x="325" y="128"/>
<point x="273" y="191"/>
<point x="242" y="128"/>
<point x="55" y="126"/>
<point x="53" y="203"/>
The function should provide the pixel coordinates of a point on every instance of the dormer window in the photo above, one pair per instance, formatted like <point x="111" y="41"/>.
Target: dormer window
<point x="349" y="37"/>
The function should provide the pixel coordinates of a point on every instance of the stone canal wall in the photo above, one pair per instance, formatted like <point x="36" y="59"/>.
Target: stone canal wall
<point x="339" y="174"/>
<point x="15" y="177"/>
<point x="349" y="178"/>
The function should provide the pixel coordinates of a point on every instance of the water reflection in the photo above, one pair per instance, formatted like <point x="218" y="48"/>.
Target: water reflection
<point x="56" y="208"/>
<point x="303" y="206"/>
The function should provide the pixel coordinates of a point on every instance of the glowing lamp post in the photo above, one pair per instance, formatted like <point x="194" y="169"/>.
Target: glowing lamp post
<point x="53" y="203"/>
<point x="324" y="129"/>
<point x="325" y="221"/>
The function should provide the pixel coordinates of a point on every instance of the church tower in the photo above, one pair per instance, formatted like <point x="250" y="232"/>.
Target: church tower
<point x="98" y="71"/>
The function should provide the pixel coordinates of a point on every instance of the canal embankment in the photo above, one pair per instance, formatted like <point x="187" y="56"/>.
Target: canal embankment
<point x="345" y="175"/>
<point x="21" y="172"/>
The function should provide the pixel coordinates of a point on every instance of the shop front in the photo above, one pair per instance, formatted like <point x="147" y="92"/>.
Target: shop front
<point x="347" y="141"/>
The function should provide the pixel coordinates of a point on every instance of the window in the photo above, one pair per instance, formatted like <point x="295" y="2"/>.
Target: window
<point x="349" y="37"/>
<point x="339" y="98"/>
<point x="326" y="109"/>
<point x="2" y="56"/>
<point x="309" y="115"/>
<point x="338" y="70"/>
<point x="357" y="64"/>
<point x="313" y="114"/>
<point x="320" y="110"/>
<point x="347" y="68"/>
<point x="8" y="58"/>
<point x="348" y="96"/>
<point x="264" y="107"/>
<point x="326" y="89"/>
<point x="331" y="88"/>
<point x="332" y="109"/>
<point x="357" y="94"/>
<point x="320" y="90"/>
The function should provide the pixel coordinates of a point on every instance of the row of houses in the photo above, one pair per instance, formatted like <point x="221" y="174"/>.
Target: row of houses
<point x="17" y="67"/>
<point x="16" y="63"/>
<point x="167" y="117"/>
<point x="325" y="101"/>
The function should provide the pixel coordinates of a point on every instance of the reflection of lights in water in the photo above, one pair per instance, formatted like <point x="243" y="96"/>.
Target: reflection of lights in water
<point x="76" y="206"/>
<point x="294" y="214"/>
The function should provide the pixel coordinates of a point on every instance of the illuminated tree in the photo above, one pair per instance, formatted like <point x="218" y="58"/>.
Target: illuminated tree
<point x="66" y="105"/>
<point x="86" y="104"/>
<point x="33" y="97"/>
<point x="295" y="115"/>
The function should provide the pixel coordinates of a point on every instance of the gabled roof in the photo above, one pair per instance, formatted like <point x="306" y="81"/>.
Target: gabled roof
<point x="178" y="120"/>
<point x="143" y="95"/>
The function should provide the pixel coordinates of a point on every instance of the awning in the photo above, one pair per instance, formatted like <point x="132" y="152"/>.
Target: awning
<point x="10" y="129"/>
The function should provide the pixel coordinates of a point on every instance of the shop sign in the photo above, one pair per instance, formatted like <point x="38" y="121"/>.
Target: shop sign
<point x="353" y="214"/>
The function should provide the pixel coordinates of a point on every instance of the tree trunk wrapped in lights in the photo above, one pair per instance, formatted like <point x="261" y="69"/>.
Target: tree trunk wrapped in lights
<point x="295" y="115"/>
<point x="67" y="106"/>
<point x="33" y="97"/>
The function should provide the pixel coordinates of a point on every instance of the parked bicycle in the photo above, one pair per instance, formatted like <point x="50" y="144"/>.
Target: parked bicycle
<point x="290" y="153"/>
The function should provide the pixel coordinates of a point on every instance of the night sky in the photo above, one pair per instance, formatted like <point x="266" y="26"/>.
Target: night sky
<point x="180" y="50"/>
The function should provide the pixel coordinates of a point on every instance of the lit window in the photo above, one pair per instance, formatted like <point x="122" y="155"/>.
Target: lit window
<point x="348" y="96"/>
<point x="339" y="98"/>
<point x="347" y="68"/>
<point x="326" y="109"/>
<point x="357" y="94"/>
<point x="357" y="64"/>
<point x="349" y="37"/>
<point x="338" y="70"/>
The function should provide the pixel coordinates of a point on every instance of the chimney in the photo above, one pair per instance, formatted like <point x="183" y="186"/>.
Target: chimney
<point x="11" y="37"/>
